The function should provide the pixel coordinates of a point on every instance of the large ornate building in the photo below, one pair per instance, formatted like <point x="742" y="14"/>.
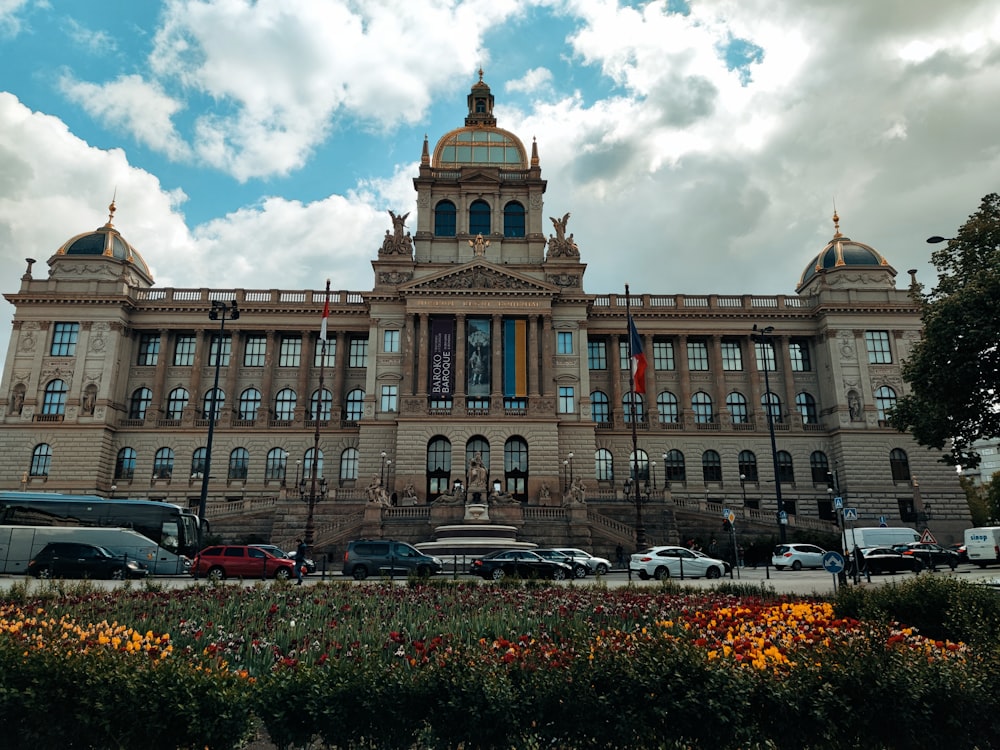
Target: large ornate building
<point x="477" y="337"/>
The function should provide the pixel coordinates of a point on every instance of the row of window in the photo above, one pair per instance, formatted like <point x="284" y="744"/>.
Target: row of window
<point x="255" y="350"/>
<point x="480" y="219"/>
<point x="702" y="407"/>
<point x="285" y="401"/>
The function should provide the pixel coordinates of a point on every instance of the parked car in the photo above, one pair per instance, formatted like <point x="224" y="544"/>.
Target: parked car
<point x="220" y="562"/>
<point x="79" y="560"/>
<point x="960" y="550"/>
<point x="797" y="556"/>
<point x="520" y="563"/>
<point x="365" y="557"/>
<point x="275" y="550"/>
<point x="931" y="555"/>
<point x="580" y="569"/>
<point x="598" y="565"/>
<point x="876" y="560"/>
<point x="666" y="561"/>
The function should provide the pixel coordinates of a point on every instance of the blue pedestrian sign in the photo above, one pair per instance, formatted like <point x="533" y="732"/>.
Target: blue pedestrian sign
<point x="882" y="522"/>
<point x="838" y="502"/>
<point x="833" y="562"/>
<point x="850" y="514"/>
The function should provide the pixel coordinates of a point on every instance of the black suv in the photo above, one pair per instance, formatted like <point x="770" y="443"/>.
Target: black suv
<point x="78" y="560"/>
<point x="366" y="557"/>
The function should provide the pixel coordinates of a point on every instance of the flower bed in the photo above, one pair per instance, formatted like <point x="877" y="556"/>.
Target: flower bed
<point x="470" y="665"/>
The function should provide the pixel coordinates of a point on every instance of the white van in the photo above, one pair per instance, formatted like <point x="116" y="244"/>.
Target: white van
<point x="982" y="545"/>
<point x="878" y="536"/>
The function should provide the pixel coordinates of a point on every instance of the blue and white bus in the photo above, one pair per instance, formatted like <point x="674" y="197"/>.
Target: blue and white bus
<point x="163" y="536"/>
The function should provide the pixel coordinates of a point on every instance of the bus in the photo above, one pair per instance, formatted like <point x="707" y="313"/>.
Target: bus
<point x="163" y="536"/>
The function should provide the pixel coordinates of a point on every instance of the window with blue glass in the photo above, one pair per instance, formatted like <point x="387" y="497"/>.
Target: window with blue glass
<point x="513" y="220"/>
<point x="479" y="218"/>
<point x="444" y="219"/>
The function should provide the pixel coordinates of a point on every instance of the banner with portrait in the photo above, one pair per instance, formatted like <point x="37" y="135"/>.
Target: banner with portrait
<point x="478" y="345"/>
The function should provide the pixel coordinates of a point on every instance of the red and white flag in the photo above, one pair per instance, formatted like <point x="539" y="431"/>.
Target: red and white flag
<point x="326" y="313"/>
<point x="638" y="358"/>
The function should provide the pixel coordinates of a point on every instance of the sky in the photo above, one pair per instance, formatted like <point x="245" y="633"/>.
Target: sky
<point x="700" y="146"/>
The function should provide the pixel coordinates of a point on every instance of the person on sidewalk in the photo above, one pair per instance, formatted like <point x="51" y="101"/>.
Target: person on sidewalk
<point x="300" y="560"/>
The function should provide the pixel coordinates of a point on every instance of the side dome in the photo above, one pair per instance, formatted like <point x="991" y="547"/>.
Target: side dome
<point x="843" y="252"/>
<point x="105" y="242"/>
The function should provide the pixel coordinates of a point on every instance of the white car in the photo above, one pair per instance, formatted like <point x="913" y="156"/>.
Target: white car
<point x="597" y="565"/>
<point x="797" y="556"/>
<point x="680" y="562"/>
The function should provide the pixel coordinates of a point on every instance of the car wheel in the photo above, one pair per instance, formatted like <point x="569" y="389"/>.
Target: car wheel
<point x="644" y="575"/>
<point x="558" y="574"/>
<point x="43" y="572"/>
<point x="918" y="565"/>
<point x="216" y="574"/>
<point x="116" y="575"/>
<point x="874" y="570"/>
<point x="497" y="573"/>
<point x="661" y="573"/>
<point x="779" y="567"/>
<point x="282" y="574"/>
<point x="423" y="571"/>
<point x="360" y="572"/>
<point x="580" y="571"/>
<point x="952" y="564"/>
<point x="797" y="565"/>
<point x="713" y="572"/>
<point x="602" y="569"/>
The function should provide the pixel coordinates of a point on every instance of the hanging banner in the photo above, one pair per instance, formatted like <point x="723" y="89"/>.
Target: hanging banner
<point x="478" y="344"/>
<point x="515" y="358"/>
<point x="442" y="360"/>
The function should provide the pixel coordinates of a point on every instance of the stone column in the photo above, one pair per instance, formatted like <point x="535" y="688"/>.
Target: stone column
<point x="533" y="356"/>
<point x="160" y="376"/>
<point x="496" y="379"/>
<point x="684" y="381"/>
<point x="267" y="382"/>
<point x="424" y="349"/>
<point x="545" y="374"/>
<point x="718" y="388"/>
<point x="458" y="398"/>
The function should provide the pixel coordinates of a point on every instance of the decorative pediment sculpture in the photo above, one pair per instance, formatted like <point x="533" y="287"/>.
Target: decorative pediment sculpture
<point x="562" y="246"/>
<point x="397" y="242"/>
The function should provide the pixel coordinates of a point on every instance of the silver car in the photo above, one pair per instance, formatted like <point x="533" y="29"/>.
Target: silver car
<point x="676" y="562"/>
<point x="597" y="565"/>
<point x="797" y="556"/>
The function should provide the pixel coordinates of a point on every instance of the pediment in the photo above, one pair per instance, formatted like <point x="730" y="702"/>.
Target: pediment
<point x="478" y="276"/>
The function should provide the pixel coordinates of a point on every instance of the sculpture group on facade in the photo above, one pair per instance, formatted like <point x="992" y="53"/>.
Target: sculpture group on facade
<point x="397" y="242"/>
<point x="376" y="493"/>
<point x="577" y="493"/>
<point x="562" y="246"/>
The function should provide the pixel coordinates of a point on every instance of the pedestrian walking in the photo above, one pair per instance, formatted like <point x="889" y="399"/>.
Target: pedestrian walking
<point x="300" y="560"/>
<point x="620" y="556"/>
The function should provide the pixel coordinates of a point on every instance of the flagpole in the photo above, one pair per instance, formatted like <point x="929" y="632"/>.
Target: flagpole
<point x="313" y="496"/>
<point x="640" y="529"/>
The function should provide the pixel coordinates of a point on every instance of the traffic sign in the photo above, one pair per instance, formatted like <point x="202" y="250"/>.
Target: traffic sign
<point x="838" y="502"/>
<point x="833" y="562"/>
<point x="882" y="522"/>
<point x="927" y="537"/>
<point x="782" y="517"/>
<point x="731" y="517"/>
<point x="726" y="512"/>
<point x="850" y="514"/>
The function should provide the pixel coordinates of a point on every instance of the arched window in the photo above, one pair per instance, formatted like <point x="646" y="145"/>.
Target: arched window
<point x="633" y="407"/>
<point x="515" y="468"/>
<point x="667" y="408"/>
<point x="349" y="465"/>
<point x="885" y="400"/>
<point x="239" y="460"/>
<point x="786" y="473"/>
<point x="513" y="220"/>
<point x="673" y="466"/>
<point x="220" y="403"/>
<point x="711" y="466"/>
<point x="701" y="405"/>
<point x="819" y="466"/>
<point x="54" y="399"/>
<point x="41" y="460"/>
<point x="312" y="459"/>
<point x="125" y="463"/>
<point x="444" y="219"/>
<point x="600" y="407"/>
<point x="806" y="405"/>
<point x="284" y="405"/>
<point x="638" y="465"/>
<point x="604" y="465"/>
<point x="276" y="464"/>
<point x="899" y="464"/>
<point x="438" y="467"/>
<point x="479" y="218"/>
<point x="747" y="462"/>
<point x="249" y="403"/>
<point x="321" y="405"/>
<point x="139" y="403"/>
<point x="355" y="405"/>
<point x="771" y="405"/>
<point x="198" y="459"/>
<point x="177" y="401"/>
<point x="736" y="404"/>
<point x="163" y="464"/>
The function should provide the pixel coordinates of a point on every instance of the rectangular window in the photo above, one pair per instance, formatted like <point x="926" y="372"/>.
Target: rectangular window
<point x="390" y="342"/>
<point x="798" y="352"/>
<point x="184" y="350"/>
<point x="390" y="396"/>
<point x="331" y="352"/>
<point x="732" y="356"/>
<point x="564" y="342"/>
<point x="597" y="355"/>
<point x="64" y="336"/>
<point x="222" y="348"/>
<point x="663" y="355"/>
<point x="764" y="351"/>
<point x="358" y="356"/>
<point x="567" y="399"/>
<point x="697" y="352"/>
<point x="290" y="354"/>
<point x="149" y="349"/>
<point x="256" y="350"/>
<point x="877" y="343"/>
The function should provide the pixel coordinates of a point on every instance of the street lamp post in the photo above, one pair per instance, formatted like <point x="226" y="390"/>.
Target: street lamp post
<point x="571" y="469"/>
<point x="761" y="337"/>
<point x="218" y="312"/>
<point x="652" y="470"/>
<point x="114" y="488"/>
<point x="320" y="493"/>
<point x="743" y="488"/>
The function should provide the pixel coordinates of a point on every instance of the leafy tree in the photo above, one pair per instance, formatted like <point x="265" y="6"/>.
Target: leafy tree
<point x="954" y="371"/>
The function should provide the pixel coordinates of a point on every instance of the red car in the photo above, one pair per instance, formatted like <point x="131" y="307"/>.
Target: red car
<point x="240" y="561"/>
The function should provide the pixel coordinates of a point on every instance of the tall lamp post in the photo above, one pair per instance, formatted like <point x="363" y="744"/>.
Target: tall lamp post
<point x="317" y="493"/>
<point x="652" y="470"/>
<point x="218" y="312"/>
<point x="743" y="488"/>
<point x="762" y="338"/>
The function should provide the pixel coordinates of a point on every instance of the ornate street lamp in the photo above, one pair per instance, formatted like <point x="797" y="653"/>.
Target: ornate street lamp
<point x="762" y="338"/>
<point x="218" y="312"/>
